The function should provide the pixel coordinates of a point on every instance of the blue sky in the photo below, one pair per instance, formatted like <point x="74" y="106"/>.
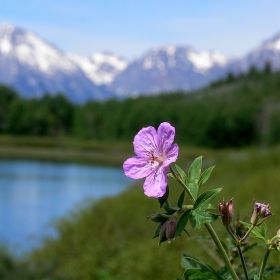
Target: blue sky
<point x="131" y="27"/>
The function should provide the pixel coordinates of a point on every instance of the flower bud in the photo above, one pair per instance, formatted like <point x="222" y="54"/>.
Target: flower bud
<point x="260" y="214"/>
<point x="167" y="231"/>
<point x="170" y="230"/>
<point x="226" y="209"/>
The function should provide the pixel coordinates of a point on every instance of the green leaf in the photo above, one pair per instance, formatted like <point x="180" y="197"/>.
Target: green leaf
<point x="205" y="198"/>
<point x="258" y="232"/>
<point x="198" y="274"/>
<point x="201" y="216"/>
<point x="182" y="223"/>
<point x="195" y="269"/>
<point x="181" y="199"/>
<point x="189" y="261"/>
<point x="205" y="175"/>
<point x="195" y="169"/>
<point x="182" y="174"/>
<point x="194" y="175"/>
<point x="256" y="277"/>
<point x="224" y="273"/>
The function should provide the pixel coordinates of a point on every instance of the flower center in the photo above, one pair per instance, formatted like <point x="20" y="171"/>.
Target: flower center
<point x="152" y="158"/>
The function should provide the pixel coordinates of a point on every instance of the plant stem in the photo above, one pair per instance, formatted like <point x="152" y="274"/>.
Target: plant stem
<point x="242" y="261"/>
<point x="234" y="237"/>
<point x="178" y="178"/>
<point x="210" y="230"/>
<point x="247" y="233"/>
<point x="221" y="250"/>
<point x="264" y="263"/>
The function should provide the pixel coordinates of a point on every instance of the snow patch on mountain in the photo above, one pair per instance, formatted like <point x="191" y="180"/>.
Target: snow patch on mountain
<point x="205" y="60"/>
<point x="100" y="68"/>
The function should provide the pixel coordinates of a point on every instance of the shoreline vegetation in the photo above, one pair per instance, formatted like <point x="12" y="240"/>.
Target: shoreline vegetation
<point x="64" y="149"/>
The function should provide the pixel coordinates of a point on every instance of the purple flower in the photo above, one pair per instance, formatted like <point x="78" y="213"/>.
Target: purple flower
<point x="260" y="214"/>
<point x="154" y="152"/>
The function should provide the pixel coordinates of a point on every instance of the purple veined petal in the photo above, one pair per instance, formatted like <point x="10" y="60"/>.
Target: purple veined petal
<point x="171" y="155"/>
<point x="138" y="167"/>
<point x="156" y="183"/>
<point x="166" y="134"/>
<point x="145" y="141"/>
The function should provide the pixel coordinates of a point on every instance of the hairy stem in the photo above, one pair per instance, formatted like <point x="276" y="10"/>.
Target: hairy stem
<point x="178" y="178"/>
<point x="246" y="235"/>
<point x="222" y="251"/>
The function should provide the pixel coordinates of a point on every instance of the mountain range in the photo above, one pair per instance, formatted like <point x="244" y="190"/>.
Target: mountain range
<point x="35" y="67"/>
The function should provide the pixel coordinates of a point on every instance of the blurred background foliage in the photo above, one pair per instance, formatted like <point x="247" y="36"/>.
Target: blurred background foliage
<point x="236" y="111"/>
<point x="111" y="239"/>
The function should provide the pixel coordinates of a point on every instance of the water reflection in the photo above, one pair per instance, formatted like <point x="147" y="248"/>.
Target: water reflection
<point x="34" y="193"/>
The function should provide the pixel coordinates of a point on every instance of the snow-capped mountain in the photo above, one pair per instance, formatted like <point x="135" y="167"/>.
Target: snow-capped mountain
<point x="268" y="51"/>
<point x="34" y="67"/>
<point x="168" y="68"/>
<point x="100" y="68"/>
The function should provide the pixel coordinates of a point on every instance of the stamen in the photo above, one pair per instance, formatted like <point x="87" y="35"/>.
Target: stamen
<point x="152" y="158"/>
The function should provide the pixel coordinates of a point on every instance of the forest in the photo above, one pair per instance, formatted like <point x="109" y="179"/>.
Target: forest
<point x="236" y="111"/>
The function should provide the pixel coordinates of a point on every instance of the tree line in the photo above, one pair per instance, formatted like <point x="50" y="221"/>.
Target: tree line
<point x="232" y="112"/>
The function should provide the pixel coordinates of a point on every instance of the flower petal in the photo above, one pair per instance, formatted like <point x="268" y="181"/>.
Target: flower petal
<point x="156" y="183"/>
<point x="166" y="134"/>
<point x="137" y="167"/>
<point x="172" y="154"/>
<point x="145" y="141"/>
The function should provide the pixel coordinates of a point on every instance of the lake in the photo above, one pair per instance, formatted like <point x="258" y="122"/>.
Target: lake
<point x="34" y="194"/>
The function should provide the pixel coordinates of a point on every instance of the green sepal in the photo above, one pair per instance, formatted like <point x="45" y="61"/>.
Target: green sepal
<point x="181" y="199"/>
<point x="194" y="175"/>
<point x="156" y="234"/>
<point x="169" y="209"/>
<point x="258" y="232"/>
<point x="164" y="198"/>
<point x="182" y="223"/>
<point x="158" y="217"/>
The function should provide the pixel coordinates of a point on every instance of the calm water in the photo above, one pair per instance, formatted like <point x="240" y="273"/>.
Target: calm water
<point x="33" y="194"/>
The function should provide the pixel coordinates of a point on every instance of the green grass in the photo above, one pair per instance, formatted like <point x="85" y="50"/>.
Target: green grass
<point x="111" y="239"/>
